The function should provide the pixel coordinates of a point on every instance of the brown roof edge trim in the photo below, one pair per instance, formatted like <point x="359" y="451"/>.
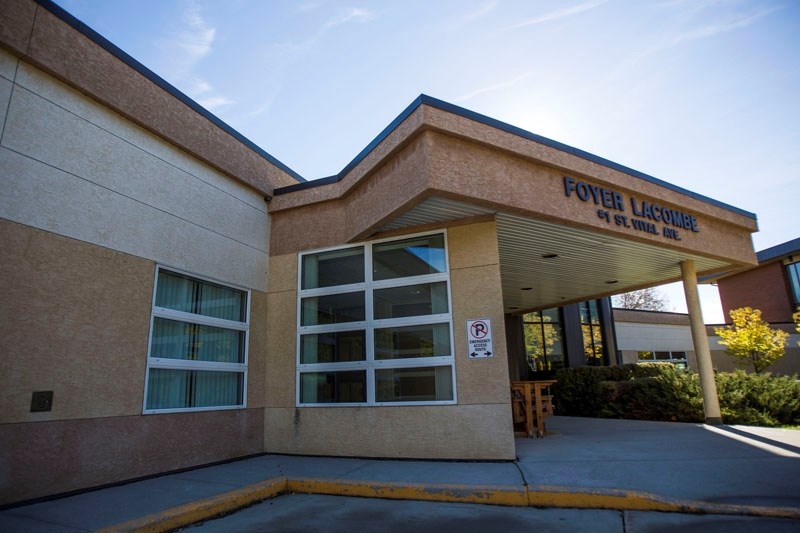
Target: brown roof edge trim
<point x="424" y="99"/>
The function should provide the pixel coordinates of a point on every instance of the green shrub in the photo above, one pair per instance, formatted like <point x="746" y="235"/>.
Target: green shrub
<point x="661" y="392"/>
<point x="588" y="390"/>
<point x="758" y="399"/>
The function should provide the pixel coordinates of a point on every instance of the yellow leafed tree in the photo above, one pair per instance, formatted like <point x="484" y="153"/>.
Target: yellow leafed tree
<point x="796" y="317"/>
<point x="751" y="341"/>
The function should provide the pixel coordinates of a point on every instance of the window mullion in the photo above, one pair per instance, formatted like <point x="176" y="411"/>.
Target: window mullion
<point x="191" y="318"/>
<point x="370" y="336"/>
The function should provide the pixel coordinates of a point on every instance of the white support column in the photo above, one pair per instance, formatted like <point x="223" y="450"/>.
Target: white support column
<point x="700" y="340"/>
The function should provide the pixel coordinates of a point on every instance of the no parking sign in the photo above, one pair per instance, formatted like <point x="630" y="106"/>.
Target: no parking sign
<point x="479" y="338"/>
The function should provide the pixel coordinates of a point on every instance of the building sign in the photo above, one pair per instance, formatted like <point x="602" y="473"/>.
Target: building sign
<point x="479" y="338"/>
<point x="644" y="216"/>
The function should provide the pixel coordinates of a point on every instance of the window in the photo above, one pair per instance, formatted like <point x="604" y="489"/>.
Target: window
<point x="676" y="358"/>
<point x="793" y="269"/>
<point x="197" y="358"/>
<point x="544" y="345"/>
<point x="375" y="324"/>
<point x="592" y="333"/>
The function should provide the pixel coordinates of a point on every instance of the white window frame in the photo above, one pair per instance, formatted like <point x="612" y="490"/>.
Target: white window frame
<point x="369" y="325"/>
<point x="181" y="364"/>
<point x="674" y="361"/>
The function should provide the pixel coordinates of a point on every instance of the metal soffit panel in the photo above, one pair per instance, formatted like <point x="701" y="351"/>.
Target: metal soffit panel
<point x="584" y="265"/>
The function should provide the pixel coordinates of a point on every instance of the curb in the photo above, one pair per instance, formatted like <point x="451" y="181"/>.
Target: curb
<point x="506" y="495"/>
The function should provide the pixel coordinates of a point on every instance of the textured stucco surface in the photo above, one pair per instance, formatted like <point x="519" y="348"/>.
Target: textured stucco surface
<point x="75" y="320"/>
<point x="59" y="456"/>
<point x="479" y="427"/>
<point x="423" y="432"/>
<point x="75" y="168"/>
<point x="438" y="153"/>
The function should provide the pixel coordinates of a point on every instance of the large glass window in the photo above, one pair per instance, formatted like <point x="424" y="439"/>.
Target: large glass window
<point x="592" y="333"/>
<point x="793" y="269"/>
<point x="375" y="324"/>
<point x="544" y="342"/>
<point x="409" y="257"/>
<point x="197" y="357"/>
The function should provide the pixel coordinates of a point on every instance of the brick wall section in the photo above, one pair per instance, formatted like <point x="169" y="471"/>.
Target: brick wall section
<point x="761" y="288"/>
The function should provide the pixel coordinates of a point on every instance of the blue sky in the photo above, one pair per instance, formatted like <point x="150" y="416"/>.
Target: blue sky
<point x="704" y="94"/>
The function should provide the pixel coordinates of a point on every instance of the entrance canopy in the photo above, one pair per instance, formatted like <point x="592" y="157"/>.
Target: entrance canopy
<point x="570" y="226"/>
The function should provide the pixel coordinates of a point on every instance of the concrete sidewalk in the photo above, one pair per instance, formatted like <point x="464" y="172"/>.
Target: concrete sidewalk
<point x="583" y="463"/>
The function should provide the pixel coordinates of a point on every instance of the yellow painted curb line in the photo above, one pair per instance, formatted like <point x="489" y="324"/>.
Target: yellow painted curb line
<point x="198" y="511"/>
<point x="484" y="494"/>
<point x="508" y="495"/>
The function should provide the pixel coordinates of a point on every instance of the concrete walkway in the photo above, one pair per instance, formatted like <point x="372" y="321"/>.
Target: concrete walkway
<point x="583" y="463"/>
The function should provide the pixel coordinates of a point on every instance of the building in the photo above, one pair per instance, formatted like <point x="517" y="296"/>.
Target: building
<point x="773" y="286"/>
<point x="654" y="336"/>
<point x="176" y="296"/>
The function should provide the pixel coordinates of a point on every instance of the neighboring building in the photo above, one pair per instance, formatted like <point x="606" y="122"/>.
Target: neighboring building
<point x="654" y="336"/>
<point x="773" y="287"/>
<point x="175" y="296"/>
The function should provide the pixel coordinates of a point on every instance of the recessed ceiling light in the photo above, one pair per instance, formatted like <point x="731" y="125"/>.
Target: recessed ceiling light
<point x="549" y="256"/>
<point x="526" y="288"/>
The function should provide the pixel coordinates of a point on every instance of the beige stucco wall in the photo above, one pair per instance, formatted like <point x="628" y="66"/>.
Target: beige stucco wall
<point x="75" y="320"/>
<point x="76" y="168"/>
<point x="478" y="427"/>
<point x="91" y="203"/>
<point x="49" y="458"/>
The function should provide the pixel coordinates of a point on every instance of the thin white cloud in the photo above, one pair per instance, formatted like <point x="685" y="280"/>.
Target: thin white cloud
<point x="196" y="86"/>
<point x="187" y="46"/>
<point x="561" y="13"/>
<point x="491" y="88"/>
<point x="213" y="102"/>
<point x="353" y="14"/>
<point x="703" y="32"/>
<point x="481" y="12"/>
<point x="350" y="15"/>
<point x="734" y="23"/>
<point x="196" y="37"/>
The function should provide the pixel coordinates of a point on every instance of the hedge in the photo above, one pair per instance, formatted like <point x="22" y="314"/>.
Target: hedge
<point x="659" y="391"/>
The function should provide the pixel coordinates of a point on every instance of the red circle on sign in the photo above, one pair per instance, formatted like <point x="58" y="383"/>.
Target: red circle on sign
<point x="479" y="330"/>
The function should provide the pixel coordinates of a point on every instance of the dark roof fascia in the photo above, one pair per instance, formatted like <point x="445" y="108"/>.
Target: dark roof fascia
<point x="114" y="50"/>
<point x="787" y="248"/>
<point x="514" y="130"/>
